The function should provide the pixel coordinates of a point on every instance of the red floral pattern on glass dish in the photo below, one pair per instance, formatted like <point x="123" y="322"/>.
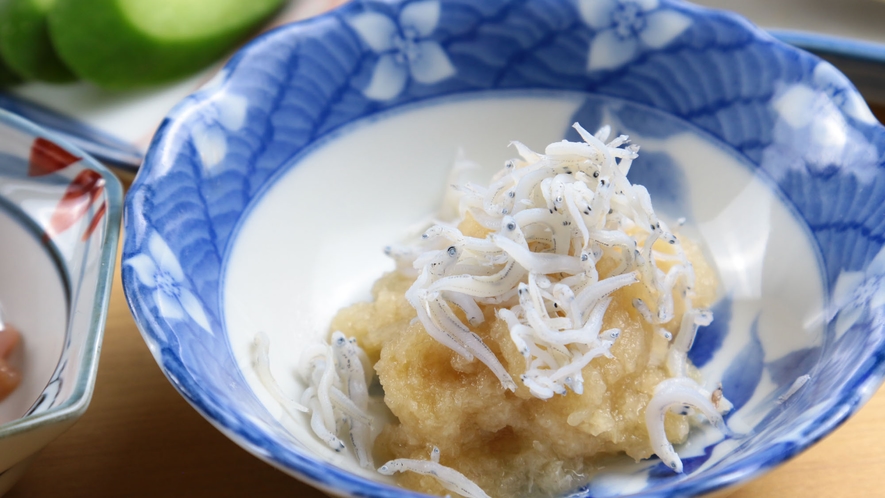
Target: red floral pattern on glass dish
<point x="84" y="190"/>
<point x="59" y="219"/>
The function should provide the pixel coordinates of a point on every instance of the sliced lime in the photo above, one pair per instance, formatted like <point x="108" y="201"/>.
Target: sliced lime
<point x="129" y="43"/>
<point x="25" y="44"/>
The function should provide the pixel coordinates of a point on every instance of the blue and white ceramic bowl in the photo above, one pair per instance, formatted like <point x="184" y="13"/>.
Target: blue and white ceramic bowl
<point x="59" y="225"/>
<point x="266" y="198"/>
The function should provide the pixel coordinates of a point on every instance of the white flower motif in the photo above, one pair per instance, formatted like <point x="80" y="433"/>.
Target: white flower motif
<point x="404" y="48"/>
<point x="210" y="143"/>
<point x="224" y="117"/>
<point x="159" y="269"/>
<point x="623" y="26"/>
<point x="839" y="89"/>
<point x="812" y="132"/>
<point x="859" y="291"/>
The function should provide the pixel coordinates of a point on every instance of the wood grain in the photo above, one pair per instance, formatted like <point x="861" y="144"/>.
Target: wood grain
<point x="140" y="438"/>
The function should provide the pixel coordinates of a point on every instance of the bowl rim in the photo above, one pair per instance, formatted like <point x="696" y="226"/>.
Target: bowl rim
<point x="306" y="466"/>
<point x="84" y="381"/>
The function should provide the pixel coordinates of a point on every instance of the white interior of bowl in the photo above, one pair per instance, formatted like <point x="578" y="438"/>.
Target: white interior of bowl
<point x="34" y="300"/>
<point x="313" y="243"/>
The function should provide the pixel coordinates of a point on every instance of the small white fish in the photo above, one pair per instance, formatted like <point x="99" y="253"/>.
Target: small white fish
<point x="551" y="219"/>
<point x="450" y="478"/>
<point x="677" y="394"/>
<point x="337" y="396"/>
<point x="797" y="384"/>
<point x="261" y="365"/>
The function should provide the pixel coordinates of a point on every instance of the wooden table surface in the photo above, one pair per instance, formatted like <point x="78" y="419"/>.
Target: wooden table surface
<point x="139" y="437"/>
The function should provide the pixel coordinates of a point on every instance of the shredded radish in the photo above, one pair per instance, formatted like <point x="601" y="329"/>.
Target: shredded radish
<point x="552" y="217"/>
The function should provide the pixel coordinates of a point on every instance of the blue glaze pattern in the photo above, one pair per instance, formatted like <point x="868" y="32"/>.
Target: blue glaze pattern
<point x="224" y="146"/>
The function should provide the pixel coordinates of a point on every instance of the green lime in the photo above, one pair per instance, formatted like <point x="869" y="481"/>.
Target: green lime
<point x="25" y="44"/>
<point x="128" y="43"/>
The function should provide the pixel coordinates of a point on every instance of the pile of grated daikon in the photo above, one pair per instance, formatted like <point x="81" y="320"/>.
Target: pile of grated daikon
<point x="580" y="305"/>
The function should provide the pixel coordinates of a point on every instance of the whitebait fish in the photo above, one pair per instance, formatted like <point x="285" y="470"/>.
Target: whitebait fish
<point x="551" y="218"/>
<point x="550" y="214"/>
<point x="337" y="396"/>
<point x="679" y="395"/>
<point x="794" y="387"/>
<point x="261" y="366"/>
<point x="562" y="281"/>
<point x="450" y="478"/>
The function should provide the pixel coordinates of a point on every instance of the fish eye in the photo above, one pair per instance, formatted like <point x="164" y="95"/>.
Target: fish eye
<point x="452" y="251"/>
<point x="511" y="226"/>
